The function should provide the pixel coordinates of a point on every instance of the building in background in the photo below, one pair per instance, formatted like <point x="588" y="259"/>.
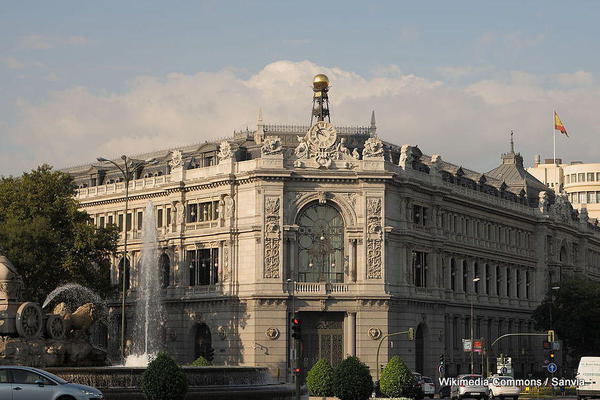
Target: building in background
<point x="374" y="237"/>
<point x="579" y="180"/>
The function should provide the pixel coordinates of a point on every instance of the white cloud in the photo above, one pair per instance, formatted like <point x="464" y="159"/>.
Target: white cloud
<point x="466" y="125"/>
<point x="39" y="42"/>
<point x="12" y="63"/>
<point x="578" y="78"/>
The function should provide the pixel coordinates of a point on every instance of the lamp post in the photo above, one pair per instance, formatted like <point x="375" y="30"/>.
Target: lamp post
<point x="135" y="164"/>
<point x="475" y="281"/>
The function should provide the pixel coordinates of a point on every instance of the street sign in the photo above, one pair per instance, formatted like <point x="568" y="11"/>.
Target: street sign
<point x="477" y="345"/>
<point x="552" y="368"/>
<point x="467" y="344"/>
<point x="503" y="370"/>
<point x="555" y="345"/>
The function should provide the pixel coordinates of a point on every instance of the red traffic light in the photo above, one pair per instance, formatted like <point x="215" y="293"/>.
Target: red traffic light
<point x="295" y="321"/>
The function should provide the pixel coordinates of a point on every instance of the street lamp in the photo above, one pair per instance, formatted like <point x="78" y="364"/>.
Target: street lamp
<point x="130" y="166"/>
<point x="475" y="281"/>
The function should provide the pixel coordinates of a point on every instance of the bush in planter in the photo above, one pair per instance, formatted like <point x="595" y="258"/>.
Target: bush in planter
<point x="320" y="379"/>
<point x="164" y="380"/>
<point x="201" y="362"/>
<point x="397" y="380"/>
<point x="352" y="380"/>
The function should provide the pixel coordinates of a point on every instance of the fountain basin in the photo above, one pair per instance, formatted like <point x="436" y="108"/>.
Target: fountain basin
<point x="204" y="382"/>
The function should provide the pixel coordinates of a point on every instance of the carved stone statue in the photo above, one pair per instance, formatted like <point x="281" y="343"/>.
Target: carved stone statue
<point x="225" y="151"/>
<point x="80" y="321"/>
<point x="407" y="157"/>
<point x="342" y="150"/>
<point x="436" y="165"/>
<point x="301" y="150"/>
<point x="583" y="215"/>
<point x="271" y="146"/>
<point x="543" y="201"/>
<point x="373" y="148"/>
<point x="180" y="210"/>
<point x="229" y="206"/>
<point x="356" y="154"/>
<point x="176" y="159"/>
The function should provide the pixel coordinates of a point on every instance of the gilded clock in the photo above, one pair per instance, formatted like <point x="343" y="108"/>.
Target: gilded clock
<point x="322" y="134"/>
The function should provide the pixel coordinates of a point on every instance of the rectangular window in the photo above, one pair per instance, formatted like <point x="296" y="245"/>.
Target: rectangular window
<point x="128" y="222"/>
<point x="508" y="282"/>
<point x="420" y="268"/>
<point x="120" y="222"/>
<point x="477" y="275"/>
<point x="110" y="220"/>
<point x="591" y="197"/>
<point x="581" y="177"/>
<point x="192" y="213"/>
<point x="420" y="215"/>
<point x="527" y="283"/>
<point x="486" y="287"/>
<point x="582" y="198"/>
<point x="140" y="220"/>
<point x="168" y="216"/>
<point x="208" y="211"/>
<point x="568" y="179"/>
<point x="598" y="176"/>
<point x="101" y="222"/>
<point x="573" y="178"/>
<point x="204" y="268"/>
<point x="498" y="280"/>
<point x="159" y="218"/>
<point x="597" y="197"/>
<point x="590" y="177"/>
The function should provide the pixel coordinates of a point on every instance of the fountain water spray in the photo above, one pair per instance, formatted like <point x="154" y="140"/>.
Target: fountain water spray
<point x="148" y="310"/>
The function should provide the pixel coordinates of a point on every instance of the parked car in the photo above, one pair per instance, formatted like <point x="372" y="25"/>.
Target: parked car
<point x="471" y="386"/>
<point x="428" y="387"/>
<point x="419" y="393"/>
<point x="503" y="387"/>
<point x="26" y="383"/>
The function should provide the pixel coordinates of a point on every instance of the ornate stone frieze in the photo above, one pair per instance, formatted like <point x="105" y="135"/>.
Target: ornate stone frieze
<point x="272" y="333"/>
<point x="271" y="146"/>
<point x="225" y="151"/>
<point x="272" y="237"/>
<point x="375" y="333"/>
<point x="373" y="148"/>
<point x="226" y="269"/>
<point x="374" y="239"/>
<point x="176" y="159"/>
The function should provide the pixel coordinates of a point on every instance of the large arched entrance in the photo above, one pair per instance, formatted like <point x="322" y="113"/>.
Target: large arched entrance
<point x="203" y="342"/>
<point x="320" y="244"/>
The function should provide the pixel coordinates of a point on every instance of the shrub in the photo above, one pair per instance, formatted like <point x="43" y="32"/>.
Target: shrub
<point x="320" y="379"/>
<point x="352" y="380"/>
<point x="396" y="379"/>
<point x="201" y="362"/>
<point x="164" y="380"/>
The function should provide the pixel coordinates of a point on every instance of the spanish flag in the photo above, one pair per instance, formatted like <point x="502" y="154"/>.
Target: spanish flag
<point x="558" y="125"/>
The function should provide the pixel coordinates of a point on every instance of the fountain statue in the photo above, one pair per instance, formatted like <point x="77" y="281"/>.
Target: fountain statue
<point x="28" y="336"/>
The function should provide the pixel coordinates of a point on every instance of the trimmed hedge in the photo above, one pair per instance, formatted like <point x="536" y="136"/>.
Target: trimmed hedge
<point x="164" y="380"/>
<point x="201" y="362"/>
<point x="320" y="379"/>
<point x="352" y="380"/>
<point x="396" y="379"/>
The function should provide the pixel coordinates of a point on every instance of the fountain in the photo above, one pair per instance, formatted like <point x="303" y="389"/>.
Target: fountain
<point x="149" y="317"/>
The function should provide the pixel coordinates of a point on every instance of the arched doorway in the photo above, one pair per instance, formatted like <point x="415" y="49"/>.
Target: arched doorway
<point x="320" y="244"/>
<point x="203" y="342"/>
<point x="127" y="274"/>
<point x="164" y="267"/>
<point x="420" y="349"/>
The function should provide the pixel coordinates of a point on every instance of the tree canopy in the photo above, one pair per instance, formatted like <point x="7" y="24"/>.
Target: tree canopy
<point x="48" y="239"/>
<point x="573" y="312"/>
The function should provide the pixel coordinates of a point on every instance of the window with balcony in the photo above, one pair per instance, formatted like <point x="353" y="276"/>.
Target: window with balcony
<point x="419" y="266"/>
<point x="204" y="266"/>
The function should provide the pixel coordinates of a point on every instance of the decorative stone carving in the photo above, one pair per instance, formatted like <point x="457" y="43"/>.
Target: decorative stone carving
<point x="176" y="159"/>
<point x="271" y="146"/>
<point x="373" y="148"/>
<point x="226" y="269"/>
<point x="355" y="154"/>
<point x="180" y="211"/>
<point x="229" y="206"/>
<point x="272" y="333"/>
<point x="321" y="144"/>
<point x="375" y="333"/>
<point x="374" y="239"/>
<point x="225" y="151"/>
<point x="272" y="237"/>
<point x="436" y="165"/>
<point x="322" y="197"/>
<point x="583" y="215"/>
<point x="407" y="157"/>
<point x="221" y="332"/>
<point x="543" y="201"/>
<point x="561" y="209"/>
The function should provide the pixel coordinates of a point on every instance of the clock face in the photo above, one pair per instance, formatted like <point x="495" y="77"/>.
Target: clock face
<point x="322" y="134"/>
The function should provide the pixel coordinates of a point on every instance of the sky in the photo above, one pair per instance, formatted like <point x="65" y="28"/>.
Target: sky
<point x="80" y="80"/>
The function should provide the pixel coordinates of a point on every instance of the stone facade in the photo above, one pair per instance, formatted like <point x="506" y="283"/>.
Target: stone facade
<point x="407" y="235"/>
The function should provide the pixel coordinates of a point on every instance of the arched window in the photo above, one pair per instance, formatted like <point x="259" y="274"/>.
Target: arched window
<point x="165" y="270"/>
<point x="203" y="342"/>
<point x="563" y="254"/>
<point x="127" y="274"/>
<point x="320" y="244"/>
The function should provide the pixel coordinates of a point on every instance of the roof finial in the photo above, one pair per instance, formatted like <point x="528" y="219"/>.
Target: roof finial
<point x="373" y="128"/>
<point x="512" y="143"/>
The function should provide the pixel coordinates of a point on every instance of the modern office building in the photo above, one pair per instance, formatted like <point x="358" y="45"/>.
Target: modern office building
<point x="370" y="237"/>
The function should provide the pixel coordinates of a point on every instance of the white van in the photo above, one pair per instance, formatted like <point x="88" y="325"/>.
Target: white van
<point x="589" y="373"/>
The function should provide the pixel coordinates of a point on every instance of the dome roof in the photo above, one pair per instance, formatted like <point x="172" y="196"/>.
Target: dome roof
<point x="320" y="82"/>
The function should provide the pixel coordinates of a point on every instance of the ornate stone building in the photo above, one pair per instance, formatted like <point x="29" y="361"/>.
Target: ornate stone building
<point x="371" y="237"/>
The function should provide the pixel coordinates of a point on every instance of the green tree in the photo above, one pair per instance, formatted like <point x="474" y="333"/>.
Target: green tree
<point x="396" y="379"/>
<point x="573" y="312"/>
<point x="320" y="379"/>
<point x="164" y="380"/>
<point x="352" y="380"/>
<point x="48" y="239"/>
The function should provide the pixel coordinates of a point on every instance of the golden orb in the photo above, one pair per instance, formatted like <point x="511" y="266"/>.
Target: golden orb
<point x="320" y="82"/>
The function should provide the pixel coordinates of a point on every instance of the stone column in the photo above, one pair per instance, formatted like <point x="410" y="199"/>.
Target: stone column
<point x="350" y="333"/>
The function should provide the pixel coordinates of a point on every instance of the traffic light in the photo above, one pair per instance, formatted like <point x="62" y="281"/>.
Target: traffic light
<point x="296" y="328"/>
<point x="442" y="360"/>
<point x="551" y="355"/>
<point x="411" y="334"/>
<point x="551" y="336"/>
